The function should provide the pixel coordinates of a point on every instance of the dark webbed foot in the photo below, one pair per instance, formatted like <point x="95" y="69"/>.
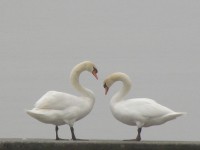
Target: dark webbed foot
<point x="57" y="138"/>
<point x="80" y="140"/>
<point x="138" y="138"/>
<point x="74" y="137"/>
<point x="133" y="140"/>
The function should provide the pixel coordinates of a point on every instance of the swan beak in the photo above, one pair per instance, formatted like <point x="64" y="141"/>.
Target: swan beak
<point x="106" y="90"/>
<point x="95" y="74"/>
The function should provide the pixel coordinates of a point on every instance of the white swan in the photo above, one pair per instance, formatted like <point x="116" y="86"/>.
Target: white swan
<point x="59" y="108"/>
<point x="142" y="112"/>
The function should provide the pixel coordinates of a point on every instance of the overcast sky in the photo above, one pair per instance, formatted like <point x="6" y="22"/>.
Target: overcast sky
<point x="157" y="43"/>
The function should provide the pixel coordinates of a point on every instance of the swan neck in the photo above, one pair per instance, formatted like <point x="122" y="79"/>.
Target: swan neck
<point x="74" y="77"/>
<point x="122" y="92"/>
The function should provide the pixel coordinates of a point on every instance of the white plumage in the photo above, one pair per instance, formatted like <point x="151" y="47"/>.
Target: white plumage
<point x="60" y="108"/>
<point x="142" y="112"/>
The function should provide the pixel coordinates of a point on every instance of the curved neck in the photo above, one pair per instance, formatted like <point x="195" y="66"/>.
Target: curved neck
<point x="74" y="78"/>
<point x="123" y="91"/>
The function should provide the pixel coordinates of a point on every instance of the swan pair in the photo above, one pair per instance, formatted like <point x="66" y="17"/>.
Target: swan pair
<point x="59" y="108"/>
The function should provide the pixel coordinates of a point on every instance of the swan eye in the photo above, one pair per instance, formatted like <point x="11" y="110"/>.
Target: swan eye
<point x="95" y="70"/>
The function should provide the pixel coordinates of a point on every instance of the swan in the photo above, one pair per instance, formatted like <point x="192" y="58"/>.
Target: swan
<point x="60" y="108"/>
<point x="140" y="112"/>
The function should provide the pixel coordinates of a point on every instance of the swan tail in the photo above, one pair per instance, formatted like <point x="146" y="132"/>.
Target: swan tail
<point x="174" y="115"/>
<point x="39" y="115"/>
<point x="182" y="113"/>
<point x="32" y="113"/>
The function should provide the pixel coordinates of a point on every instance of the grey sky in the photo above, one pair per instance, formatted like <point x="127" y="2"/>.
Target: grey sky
<point x="155" y="42"/>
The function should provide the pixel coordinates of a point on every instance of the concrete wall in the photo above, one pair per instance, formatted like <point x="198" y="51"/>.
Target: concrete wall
<point x="42" y="144"/>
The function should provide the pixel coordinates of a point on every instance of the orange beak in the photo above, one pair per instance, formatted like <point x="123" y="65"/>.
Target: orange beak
<point x="106" y="90"/>
<point x="95" y="74"/>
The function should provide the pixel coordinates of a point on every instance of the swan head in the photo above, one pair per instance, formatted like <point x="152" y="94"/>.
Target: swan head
<point x="106" y="88"/>
<point x="90" y="67"/>
<point x="94" y="72"/>
<point x="118" y="76"/>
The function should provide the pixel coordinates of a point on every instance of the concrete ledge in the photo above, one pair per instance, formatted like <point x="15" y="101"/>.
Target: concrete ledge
<point x="47" y="144"/>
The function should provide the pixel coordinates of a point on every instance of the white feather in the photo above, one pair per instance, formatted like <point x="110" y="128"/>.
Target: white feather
<point x="60" y="108"/>
<point x="142" y="112"/>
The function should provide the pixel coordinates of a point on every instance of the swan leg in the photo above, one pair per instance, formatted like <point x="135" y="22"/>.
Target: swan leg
<point x="57" y="138"/>
<point x="74" y="137"/>
<point x="138" y="138"/>
<point x="72" y="132"/>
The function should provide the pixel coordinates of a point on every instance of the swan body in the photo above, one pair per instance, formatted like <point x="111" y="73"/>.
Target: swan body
<point x="140" y="112"/>
<point x="60" y="108"/>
